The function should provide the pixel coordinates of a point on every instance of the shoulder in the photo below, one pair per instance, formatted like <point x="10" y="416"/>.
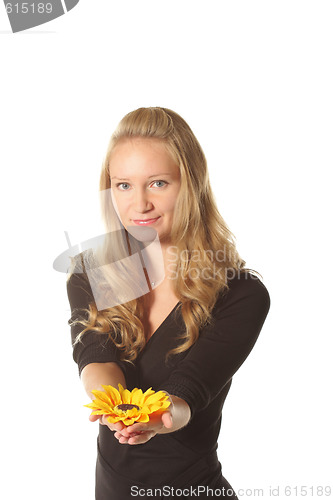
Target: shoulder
<point x="78" y="285"/>
<point x="244" y="287"/>
<point x="247" y="282"/>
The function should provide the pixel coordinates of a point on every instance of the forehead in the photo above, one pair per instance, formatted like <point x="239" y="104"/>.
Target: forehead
<point x="136" y="153"/>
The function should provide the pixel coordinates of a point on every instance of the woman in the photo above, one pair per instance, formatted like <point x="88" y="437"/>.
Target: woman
<point x="184" y="329"/>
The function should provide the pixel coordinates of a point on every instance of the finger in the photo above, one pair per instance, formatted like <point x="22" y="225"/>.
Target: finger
<point x="154" y="423"/>
<point x="123" y="440"/>
<point x="93" y="418"/>
<point x="118" y="426"/>
<point x="137" y="428"/>
<point x="167" y="419"/>
<point x="141" y="438"/>
<point x="122" y="434"/>
<point x="123" y="431"/>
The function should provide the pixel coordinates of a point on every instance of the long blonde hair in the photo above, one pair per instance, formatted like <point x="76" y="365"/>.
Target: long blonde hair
<point x="202" y="242"/>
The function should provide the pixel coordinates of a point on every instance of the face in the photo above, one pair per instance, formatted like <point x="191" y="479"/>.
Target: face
<point x="145" y="182"/>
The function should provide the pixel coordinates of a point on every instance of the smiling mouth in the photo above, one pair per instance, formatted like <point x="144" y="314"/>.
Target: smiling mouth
<point x="145" y="222"/>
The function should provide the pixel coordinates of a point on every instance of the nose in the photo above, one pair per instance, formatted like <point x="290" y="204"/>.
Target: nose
<point x="142" y="201"/>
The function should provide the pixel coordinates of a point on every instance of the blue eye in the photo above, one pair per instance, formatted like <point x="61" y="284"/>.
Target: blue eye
<point x="122" y="184"/>
<point x="160" y="181"/>
<point x="126" y="184"/>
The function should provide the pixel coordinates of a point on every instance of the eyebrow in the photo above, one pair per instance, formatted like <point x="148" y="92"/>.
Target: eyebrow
<point x="154" y="175"/>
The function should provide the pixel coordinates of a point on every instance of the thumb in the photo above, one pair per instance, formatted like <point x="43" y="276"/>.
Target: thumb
<point x="93" y="418"/>
<point x="167" y="419"/>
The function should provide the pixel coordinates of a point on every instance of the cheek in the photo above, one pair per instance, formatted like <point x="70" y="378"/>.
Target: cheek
<point x="170" y="202"/>
<point x="169" y="209"/>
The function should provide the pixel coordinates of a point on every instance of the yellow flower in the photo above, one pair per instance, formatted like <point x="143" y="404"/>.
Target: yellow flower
<point x="128" y="407"/>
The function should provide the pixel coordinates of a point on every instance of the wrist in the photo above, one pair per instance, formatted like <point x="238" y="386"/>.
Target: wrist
<point x="94" y="375"/>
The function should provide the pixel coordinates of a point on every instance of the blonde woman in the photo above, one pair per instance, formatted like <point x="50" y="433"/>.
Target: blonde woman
<point x="170" y="305"/>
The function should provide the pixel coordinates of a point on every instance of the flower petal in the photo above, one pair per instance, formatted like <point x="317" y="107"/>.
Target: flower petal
<point x="109" y="400"/>
<point x="102" y="396"/>
<point x="132" y="413"/>
<point x="128" y="421"/>
<point x="151" y="408"/>
<point x="103" y="406"/>
<point x="113" y="419"/>
<point x="148" y="392"/>
<point x="113" y="394"/>
<point x="166" y="404"/>
<point x="91" y="405"/>
<point x="121" y="389"/>
<point x="137" y="397"/>
<point x="143" y="418"/>
<point x="126" y="397"/>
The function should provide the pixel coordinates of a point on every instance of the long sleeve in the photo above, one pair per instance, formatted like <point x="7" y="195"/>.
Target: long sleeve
<point x="93" y="347"/>
<point x="222" y="347"/>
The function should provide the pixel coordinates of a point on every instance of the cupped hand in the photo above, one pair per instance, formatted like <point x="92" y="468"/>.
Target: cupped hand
<point x="119" y="426"/>
<point x="140" y="433"/>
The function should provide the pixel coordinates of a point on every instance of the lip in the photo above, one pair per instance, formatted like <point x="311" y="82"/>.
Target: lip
<point x="145" y="222"/>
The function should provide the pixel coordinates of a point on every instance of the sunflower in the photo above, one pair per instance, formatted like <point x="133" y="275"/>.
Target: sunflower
<point x="128" y="406"/>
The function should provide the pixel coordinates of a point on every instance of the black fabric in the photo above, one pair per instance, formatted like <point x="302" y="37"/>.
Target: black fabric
<point x="93" y="347"/>
<point x="201" y="376"/>
<point x="203" y="479"/>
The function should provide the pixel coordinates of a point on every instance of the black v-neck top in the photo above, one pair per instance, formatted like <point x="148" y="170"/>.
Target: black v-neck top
<point x="201" y="376"/>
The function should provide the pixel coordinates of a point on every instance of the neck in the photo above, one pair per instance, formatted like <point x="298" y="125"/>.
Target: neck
<point x="159" y="262"/>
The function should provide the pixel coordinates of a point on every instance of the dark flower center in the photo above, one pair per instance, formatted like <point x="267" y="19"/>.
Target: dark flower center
<point x="125" y="407"/>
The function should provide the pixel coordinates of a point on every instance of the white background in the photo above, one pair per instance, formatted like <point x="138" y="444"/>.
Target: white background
<point x="254" y="81"/>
